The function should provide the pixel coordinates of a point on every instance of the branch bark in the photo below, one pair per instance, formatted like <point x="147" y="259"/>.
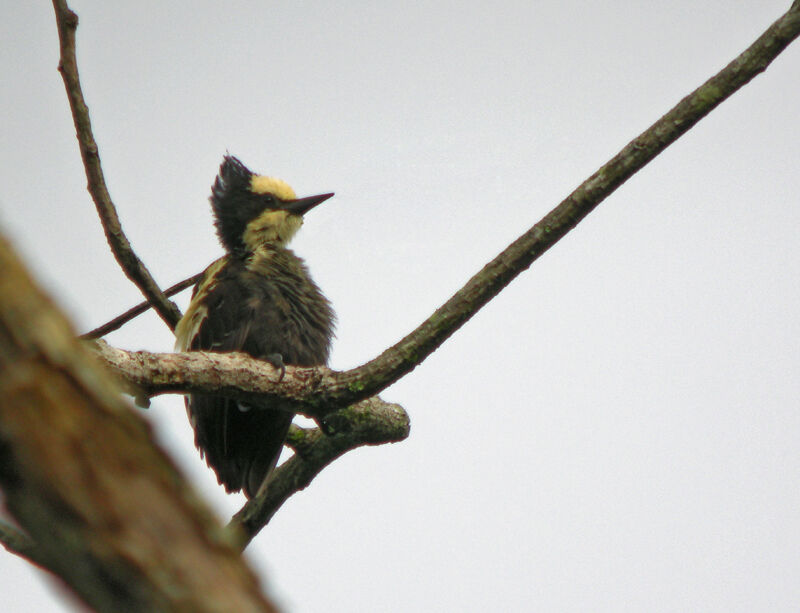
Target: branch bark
<point x="368" y="422"/>
<point x="104" y="508"/>
<point x="236" y="375"/>
<point x="131" y="265"/>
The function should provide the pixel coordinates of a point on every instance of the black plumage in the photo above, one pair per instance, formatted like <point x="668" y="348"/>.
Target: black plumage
<point x="258" y="299"/>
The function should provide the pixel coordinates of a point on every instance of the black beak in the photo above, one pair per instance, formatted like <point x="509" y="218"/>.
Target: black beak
<point x="301" y="206"/>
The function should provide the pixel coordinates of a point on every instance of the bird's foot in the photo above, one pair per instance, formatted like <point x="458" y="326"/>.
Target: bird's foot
<point x="276" y="359"/>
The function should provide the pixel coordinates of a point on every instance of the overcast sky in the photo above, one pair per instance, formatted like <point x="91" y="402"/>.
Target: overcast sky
<point x="617" y="431"/>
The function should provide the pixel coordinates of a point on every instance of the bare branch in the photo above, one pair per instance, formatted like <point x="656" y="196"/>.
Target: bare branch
<point x="236" y="375"/>
<point x="230" y="374"/>
<point x="395" y="362"/>
<point x="140" y="308"/>
<point x="369" y="422"/>
<point x="133" y="267"/>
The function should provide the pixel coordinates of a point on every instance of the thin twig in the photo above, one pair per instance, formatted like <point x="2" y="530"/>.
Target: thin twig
<point x="121" y="320"/>
<point x="133" y="267"/>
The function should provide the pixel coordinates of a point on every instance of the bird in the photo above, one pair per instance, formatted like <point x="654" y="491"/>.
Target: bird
<point x="258" y="299"/>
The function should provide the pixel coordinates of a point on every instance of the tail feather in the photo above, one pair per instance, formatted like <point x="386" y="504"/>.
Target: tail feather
<point x="241" y="446"/>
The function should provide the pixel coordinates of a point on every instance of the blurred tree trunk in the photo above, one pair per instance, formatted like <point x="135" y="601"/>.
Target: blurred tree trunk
<point x="105" y="509"/>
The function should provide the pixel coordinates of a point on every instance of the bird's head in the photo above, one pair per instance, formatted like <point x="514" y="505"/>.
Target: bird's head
<point x="252" y="210"/>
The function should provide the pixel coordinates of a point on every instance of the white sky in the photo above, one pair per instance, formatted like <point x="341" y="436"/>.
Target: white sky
<point x="617" y="431"/>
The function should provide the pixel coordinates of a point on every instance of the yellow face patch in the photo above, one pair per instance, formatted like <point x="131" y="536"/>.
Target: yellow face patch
<point x="271" y="227"/>
<point x="260" y="184"/>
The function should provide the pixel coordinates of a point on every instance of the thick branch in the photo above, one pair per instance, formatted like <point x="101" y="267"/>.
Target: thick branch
<point x="133" y="267"/>
<point x="236" y="375"/>
<point x="230" y="374"/>
<point x="369" y="422"/>
<point x="106" y="509"/>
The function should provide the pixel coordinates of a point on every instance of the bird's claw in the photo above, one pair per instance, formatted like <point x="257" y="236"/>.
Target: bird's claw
<point x="276" y="359"/>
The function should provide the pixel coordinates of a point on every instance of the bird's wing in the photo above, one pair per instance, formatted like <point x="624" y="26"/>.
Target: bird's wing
<point x="240" y="441"/>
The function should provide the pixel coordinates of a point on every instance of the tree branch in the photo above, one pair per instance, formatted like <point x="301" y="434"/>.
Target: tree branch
<point x="107" y="511"/>
<point x="133" y="267"/>
<point x="142" y="307"/>
<point x="368" y="422"/>
<point x="395" y="362"/>
<point x="236" y="375"/>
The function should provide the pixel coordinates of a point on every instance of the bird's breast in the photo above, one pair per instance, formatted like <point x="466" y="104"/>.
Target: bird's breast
<point x="262" y="304"/>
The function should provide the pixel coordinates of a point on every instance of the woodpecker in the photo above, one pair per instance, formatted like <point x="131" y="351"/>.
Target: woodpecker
<point x="258" y="299"/>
